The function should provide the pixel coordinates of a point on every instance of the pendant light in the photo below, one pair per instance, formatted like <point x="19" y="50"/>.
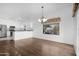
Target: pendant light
<point x="42" y="19"/>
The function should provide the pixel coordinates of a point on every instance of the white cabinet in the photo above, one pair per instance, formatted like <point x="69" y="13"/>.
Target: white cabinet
<point x="22" y="35"/>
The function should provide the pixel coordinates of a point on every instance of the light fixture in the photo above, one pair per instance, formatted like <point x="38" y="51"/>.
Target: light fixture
<point x="42" y="19"/>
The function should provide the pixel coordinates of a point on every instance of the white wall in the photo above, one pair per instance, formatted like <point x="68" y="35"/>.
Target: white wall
<point x="9" y="22"/>
<point x="77" y="44"/>
<point x="66" y="27"/>
<point x="75" y="33"/>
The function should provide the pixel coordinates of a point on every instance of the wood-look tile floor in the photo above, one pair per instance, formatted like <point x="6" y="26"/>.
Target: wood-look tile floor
<point x="36" y="47"/>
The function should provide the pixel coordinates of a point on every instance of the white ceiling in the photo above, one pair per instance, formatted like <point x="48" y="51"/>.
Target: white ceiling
<point x="29" y="11"/>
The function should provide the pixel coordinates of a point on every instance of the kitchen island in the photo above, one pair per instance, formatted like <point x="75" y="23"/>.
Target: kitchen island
<point x="22" y="34"/>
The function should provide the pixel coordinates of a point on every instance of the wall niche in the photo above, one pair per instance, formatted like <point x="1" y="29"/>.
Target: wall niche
<point x="51" y="26"/>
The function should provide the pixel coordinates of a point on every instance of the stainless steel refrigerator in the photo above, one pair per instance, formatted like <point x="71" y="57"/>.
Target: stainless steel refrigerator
<point x="3" y="31"/>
